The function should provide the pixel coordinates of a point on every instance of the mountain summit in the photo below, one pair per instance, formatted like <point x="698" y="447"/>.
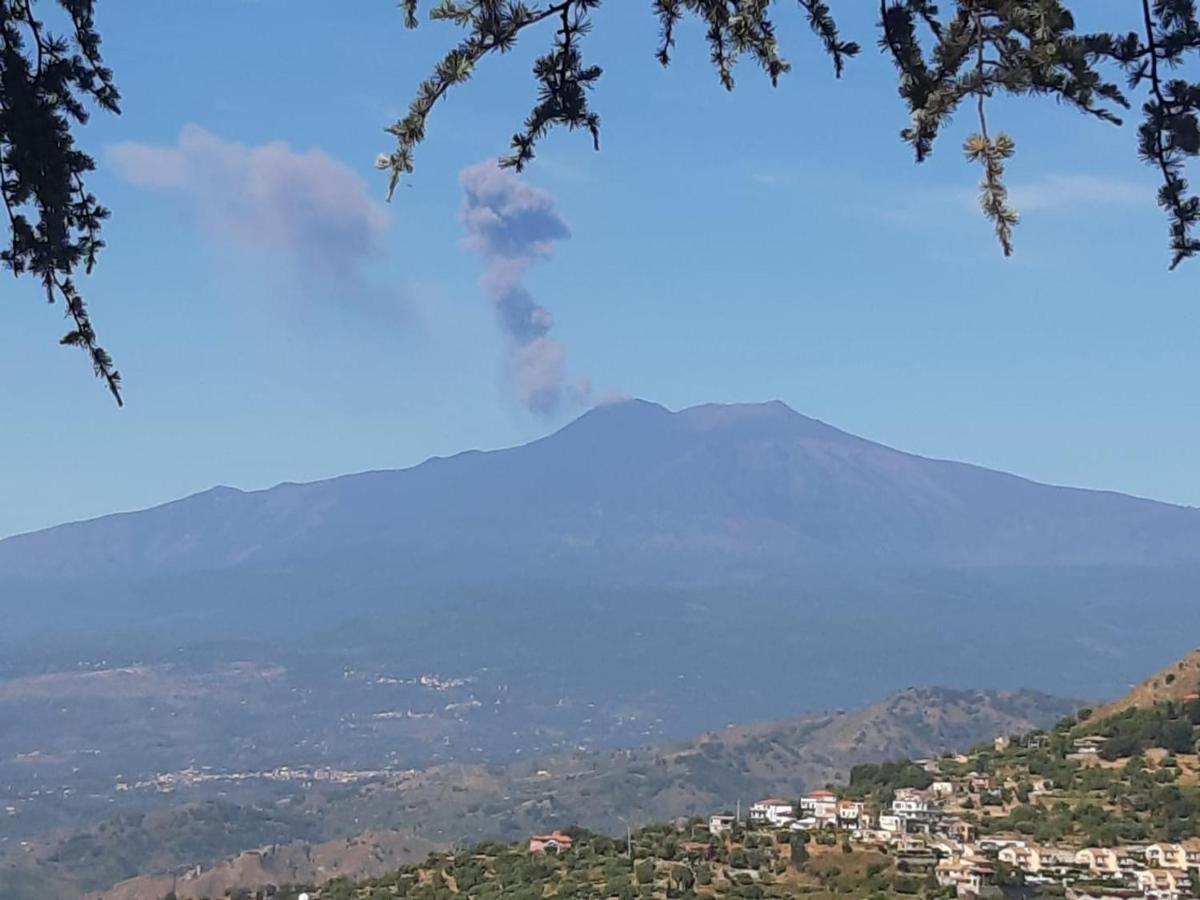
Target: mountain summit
<point x="633" y="493"/>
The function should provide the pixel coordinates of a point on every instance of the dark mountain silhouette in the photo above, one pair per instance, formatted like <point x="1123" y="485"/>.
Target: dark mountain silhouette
<point x="633" y="493"/>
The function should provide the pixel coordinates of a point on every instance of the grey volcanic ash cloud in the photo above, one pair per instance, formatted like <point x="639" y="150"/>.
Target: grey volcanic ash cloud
<point x="512" y="225"/>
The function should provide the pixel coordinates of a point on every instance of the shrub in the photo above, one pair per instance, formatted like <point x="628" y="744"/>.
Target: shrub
<point x="644" y="872"/>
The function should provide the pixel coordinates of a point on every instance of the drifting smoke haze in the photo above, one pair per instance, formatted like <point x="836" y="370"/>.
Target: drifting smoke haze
<point x="307" y="208"/>
<point x="512" y="225"/>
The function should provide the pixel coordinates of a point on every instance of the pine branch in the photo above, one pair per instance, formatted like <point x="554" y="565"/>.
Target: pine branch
<point x="1159" y="146"/>
<point x="978" y="48"/>
<point x="47" y="81"/>
<point x="734" y="28"/>
<point x="993" y="196"/>
<point x="820" y="19"/>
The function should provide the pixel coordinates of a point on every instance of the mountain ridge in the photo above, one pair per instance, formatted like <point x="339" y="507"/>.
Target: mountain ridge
<point x="711" y="491"/>
<point x="699" y="411"/>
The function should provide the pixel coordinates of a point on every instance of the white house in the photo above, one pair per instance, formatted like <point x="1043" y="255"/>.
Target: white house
<point x="771" y="811"/>
<point x="1029" y="859"/>
<point x="1090" y="745"/>
<point x="1163" y="882"/>
<point x="820" y="805"/>
<point x="909" y="803"/>
<point x="807" y="823"/>
<point x="967" y="876"/>
<point x="942" y="789"/>
<point x="957" y="829"/>
<point x="721" y="824"/>
<point x="1039" y="785"/>
<point x="852" y="814"/>
<point x="979" y="782"/>
<point x="1099" y="860"/>
<point x="1166" y="856"/>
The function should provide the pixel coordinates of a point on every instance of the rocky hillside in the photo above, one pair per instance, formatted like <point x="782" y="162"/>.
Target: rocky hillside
<point x="1177" y="683"/>
<point x="369" y="855"/>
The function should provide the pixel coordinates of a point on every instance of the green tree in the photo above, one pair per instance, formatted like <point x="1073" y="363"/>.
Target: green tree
<point x="683" y="877"/>
<point x="1192" y="711"/>
<point x="799" y="852"/>
<point x="644" y="871"/>
<point x="1179" y="736"/>
<point x="1009" y="876"/>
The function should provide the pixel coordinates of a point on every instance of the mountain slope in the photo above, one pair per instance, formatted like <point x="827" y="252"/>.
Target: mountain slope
<point x="1177" y="683"/>
<point x="365" y="856"/>
<point x="634" y="493"/>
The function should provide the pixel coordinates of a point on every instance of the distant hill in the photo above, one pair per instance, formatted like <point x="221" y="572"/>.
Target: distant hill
<point x="1177" y="683"/>
<point x="445" y="805"/>
<point x="631" y="493"/>
<point x="93" y="858"/>
<point x="365" y="856"/>
<point x="717" y="769"/>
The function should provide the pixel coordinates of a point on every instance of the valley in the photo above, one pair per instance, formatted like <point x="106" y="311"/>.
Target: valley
<point x="125" y="724"/>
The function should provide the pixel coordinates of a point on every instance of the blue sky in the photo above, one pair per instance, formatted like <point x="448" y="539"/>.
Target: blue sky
<point x="275" y="320"/>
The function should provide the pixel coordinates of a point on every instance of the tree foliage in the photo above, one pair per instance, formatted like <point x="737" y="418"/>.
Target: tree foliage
<point x="47" y="80"/>
<point x="944" y="54"/>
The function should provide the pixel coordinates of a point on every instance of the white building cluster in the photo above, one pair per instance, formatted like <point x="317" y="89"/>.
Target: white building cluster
<point x="932" y="840"/>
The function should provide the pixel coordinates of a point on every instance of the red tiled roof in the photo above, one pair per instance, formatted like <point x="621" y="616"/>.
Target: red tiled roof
<point x="556" y="836"/>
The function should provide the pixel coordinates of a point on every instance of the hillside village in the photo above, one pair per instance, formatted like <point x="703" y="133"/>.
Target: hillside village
<point x="1095" y="808"/>
<point x="966" y="823"/>
<point x="1102" y="806"/>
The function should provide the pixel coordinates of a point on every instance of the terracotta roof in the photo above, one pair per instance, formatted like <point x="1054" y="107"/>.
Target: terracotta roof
<point x="556" y="836"/>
